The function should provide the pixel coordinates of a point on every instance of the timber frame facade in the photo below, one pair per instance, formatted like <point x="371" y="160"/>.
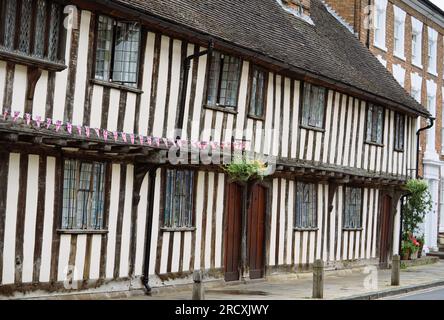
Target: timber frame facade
<point x="131" y="245"/>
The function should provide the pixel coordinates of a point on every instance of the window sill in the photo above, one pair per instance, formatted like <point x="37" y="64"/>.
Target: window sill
<point x="377" y="45"/>
<point x="116" y="86"/>
<point x="433" y="73"/>
<point x="191" y="229"/>
<point x="352" y="229"/>
<point x="305" y="229"/>
<point x="417" y="65"/>
<point x="374" y="144"/>
<point x="399" y="56"/>
<point x="21" y="58"/>
<point x="231" y="110"/>
<point x="311" y="128"/>
<point x="252" y="116"/>
<point x="81" y="231"/>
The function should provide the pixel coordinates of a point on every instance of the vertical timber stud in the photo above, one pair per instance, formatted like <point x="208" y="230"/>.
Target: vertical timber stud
<point x="198" y="290"/>
<point x="148" y="227"/>
<point x="318" y="279"/>
<point x="396" y="270"/>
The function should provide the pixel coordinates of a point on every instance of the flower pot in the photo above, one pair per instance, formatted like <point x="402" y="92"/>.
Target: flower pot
<point x="414" y="255"/>
<point x="406" y="255"/>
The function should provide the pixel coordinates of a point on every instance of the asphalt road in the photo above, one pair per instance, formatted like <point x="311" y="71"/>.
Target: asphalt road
<point x="430" y="294"/>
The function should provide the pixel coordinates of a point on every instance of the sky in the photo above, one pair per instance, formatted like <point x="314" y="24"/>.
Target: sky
<point x="439" y="3"/>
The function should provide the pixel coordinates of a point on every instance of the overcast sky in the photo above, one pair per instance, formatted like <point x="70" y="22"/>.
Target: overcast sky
<point x="439" y="3"/>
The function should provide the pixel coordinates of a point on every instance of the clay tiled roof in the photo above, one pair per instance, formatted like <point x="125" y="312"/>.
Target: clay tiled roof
<point x="325" y="48"/>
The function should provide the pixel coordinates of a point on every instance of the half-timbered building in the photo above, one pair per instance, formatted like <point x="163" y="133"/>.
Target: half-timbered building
<point x="114" y="114"/>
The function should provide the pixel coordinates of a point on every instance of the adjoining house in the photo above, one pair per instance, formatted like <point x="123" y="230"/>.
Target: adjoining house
<point x="115" y="118"/>
<point x="407" y="37"/>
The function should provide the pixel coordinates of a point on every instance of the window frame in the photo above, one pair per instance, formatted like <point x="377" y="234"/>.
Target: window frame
<point x="29" y="58"/>
<point x="302" y="108"/>
<point x="217" y="106"/>
<point x="397" y="38"/>
<point x="345" y="205"/>
<point x="398" y="133"/>
<point x="264" y="93"/>
<point x="432" y="56"/>
<point x="106" y="181"/>
<point x="379" y="32"/>
<point x="377" y="143"/>
<point x="314" y="207"/>
<point x="164" y="178"/>
<point x="415" y="38"/>
<point x="134" y="87"/>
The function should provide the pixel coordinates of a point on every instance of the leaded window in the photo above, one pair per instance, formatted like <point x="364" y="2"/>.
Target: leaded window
<point x="313" y="106"/>
<point x="83" y="195"/>
<point x="257" y="92"/>
<point x="31" y="28"/>
<point x="375" y="120"/>
<point x="399" y="131"/>
<point x="117" y="51"/>
<point x="179" y="199"/>
<point x="223" y="80"/>
<point x="306" y="206"/>
<point x="352" y="208"/>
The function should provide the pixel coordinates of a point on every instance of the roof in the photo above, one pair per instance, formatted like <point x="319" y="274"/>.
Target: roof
<point x="325" y="48"/>
<point x="432" y="6"/>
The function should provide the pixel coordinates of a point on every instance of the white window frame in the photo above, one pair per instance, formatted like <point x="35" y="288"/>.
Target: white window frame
<point x="399" y="34"/>
<point x="380" y="20"/>
<point x="399" y="74"/>
<point x="432" y="51"/>
<point x="416" y="86"/>
<point x="417" y="30"/>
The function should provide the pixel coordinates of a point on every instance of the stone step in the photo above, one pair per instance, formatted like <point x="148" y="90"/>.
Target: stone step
<point x="438" y="254"/>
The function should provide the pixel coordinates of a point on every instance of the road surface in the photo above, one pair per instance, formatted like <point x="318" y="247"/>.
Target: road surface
<point x="429" y="294"/>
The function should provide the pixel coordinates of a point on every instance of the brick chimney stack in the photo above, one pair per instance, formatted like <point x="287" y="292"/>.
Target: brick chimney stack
<point x="302" y="6"/>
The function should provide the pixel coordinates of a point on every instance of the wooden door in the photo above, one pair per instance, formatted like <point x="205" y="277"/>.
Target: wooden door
<point x="256" y="232"/>
<point x="233" y="232"/>
<point x="385" y="235"/>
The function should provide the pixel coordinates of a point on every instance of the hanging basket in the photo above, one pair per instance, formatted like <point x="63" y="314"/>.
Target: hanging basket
<point x="246" y="170"/>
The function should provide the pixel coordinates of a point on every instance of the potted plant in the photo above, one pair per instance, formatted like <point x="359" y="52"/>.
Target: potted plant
<point x="405" y="250"/>
<point x="414" y="209"/>
<point x="410" y="248"/>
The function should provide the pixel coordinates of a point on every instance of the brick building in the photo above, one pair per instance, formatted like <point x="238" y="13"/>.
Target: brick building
<point x="407" y="37"/>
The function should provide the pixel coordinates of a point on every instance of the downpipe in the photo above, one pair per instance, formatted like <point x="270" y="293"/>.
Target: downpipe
<point x="183" y="93"/>
<point x="418" y="133"/>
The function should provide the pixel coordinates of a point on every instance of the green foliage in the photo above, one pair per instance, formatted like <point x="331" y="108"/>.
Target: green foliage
<point x="417" y="205"/>
<point x="244" y="170"/>
<point x="408" y="246"/>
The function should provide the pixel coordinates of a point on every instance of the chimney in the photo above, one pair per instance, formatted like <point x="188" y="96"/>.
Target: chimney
<point x="300" y="6"/>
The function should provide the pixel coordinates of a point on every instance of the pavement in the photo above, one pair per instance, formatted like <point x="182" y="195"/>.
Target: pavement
<point x="355" y="284"/>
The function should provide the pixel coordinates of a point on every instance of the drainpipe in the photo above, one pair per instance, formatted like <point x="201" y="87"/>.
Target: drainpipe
<point x="183" y="94"/>
<point x="432" y="122"/>
<point x="148" y="228"/>
<point x="367" y="41"/>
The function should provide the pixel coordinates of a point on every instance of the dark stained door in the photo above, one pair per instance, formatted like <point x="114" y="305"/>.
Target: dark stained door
<point x="386" y="227"/>
<point x="256" y="232"/>
<point x="233" y="232"/>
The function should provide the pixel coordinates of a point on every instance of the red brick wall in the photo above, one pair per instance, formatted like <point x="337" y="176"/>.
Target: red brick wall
<point x="353" y="11"/>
